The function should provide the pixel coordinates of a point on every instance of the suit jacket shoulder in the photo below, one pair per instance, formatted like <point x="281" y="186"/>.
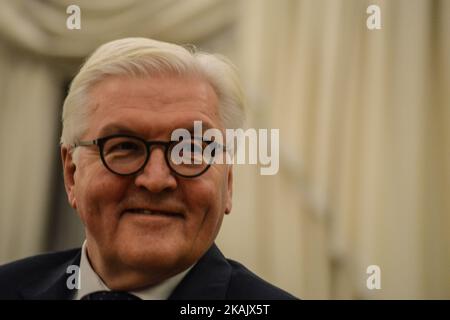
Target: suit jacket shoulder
<point x="218" y="278"/>
<point x="213" y="277"/>
<point x="39" y="277"/>
<point x="244" y="284"/>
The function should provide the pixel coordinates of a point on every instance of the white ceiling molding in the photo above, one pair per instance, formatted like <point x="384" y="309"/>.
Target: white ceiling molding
<point x="194" y="20"/>
<point x="40" y="27"/>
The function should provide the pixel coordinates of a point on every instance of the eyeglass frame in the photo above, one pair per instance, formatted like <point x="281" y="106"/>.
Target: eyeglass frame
<point x="100" y="143"/>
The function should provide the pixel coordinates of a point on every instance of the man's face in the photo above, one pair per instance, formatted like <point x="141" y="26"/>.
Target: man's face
<point x="120" y="241"/>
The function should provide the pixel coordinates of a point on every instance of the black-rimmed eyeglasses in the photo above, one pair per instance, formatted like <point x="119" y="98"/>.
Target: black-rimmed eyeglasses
<point x="127" y="155"/>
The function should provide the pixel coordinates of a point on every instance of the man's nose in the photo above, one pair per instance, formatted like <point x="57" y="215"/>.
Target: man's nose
<point x="156" y="175"/>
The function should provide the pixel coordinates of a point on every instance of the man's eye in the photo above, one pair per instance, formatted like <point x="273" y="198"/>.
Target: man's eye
<point x="124" y="146"/>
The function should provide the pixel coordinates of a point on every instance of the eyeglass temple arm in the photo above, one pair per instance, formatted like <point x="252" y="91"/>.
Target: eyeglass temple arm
<point x="85" y="143"/>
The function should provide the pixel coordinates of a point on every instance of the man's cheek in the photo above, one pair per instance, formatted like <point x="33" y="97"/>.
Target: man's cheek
<point x="88" y="201"/>
<point x="204" y="193"/>
<point x="102" y="190"/>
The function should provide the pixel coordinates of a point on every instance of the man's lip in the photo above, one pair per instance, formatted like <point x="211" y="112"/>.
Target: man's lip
<point x="155" y="212"/>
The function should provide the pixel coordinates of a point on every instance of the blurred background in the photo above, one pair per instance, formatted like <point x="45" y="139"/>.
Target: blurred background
<point x="364" y="119"/>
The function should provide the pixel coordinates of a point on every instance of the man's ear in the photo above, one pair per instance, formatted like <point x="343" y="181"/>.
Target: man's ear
<point x="69" y="172"/>
<point x="229" y="201"/>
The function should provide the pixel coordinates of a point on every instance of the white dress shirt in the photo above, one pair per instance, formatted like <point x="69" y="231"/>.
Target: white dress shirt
<point x="91" y="282"/>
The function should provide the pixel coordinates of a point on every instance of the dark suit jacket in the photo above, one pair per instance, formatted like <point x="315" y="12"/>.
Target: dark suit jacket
<point x="213" y="277"/>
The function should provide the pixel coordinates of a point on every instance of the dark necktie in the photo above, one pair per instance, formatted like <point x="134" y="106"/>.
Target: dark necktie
<point x="110" y="295"/>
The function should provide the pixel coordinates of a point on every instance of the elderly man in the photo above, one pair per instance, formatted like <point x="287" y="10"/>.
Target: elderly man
<point x="150" y="220"/>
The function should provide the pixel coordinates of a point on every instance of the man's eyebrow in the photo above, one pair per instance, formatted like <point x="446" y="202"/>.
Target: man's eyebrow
<point x="116" y="129"/>
<point x="190" y="127"/>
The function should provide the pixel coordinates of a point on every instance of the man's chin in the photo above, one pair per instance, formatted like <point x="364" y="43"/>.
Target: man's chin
<point x="154" y="258"/>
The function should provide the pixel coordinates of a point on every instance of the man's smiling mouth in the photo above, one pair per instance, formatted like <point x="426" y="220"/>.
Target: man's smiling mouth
<point x="160" y="213"/>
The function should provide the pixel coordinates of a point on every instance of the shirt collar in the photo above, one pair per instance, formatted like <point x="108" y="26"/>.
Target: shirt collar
<point x="90" y="282"/>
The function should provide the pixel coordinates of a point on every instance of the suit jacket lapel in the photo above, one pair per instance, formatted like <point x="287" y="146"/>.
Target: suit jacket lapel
<point x="208" y="279"/>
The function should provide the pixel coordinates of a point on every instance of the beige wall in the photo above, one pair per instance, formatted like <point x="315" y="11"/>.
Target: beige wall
<point x="364" y="170"/>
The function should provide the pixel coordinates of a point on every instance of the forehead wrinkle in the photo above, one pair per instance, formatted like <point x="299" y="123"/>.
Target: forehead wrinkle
<point x="155" y="98"/>
<point x="157" y="90"/>
<point x="127" y="124"/>
<point x="159" y="104"/>
<point x="192" y="107"/>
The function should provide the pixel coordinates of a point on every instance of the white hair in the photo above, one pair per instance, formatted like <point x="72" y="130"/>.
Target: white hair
<point x="142" y="57"/>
